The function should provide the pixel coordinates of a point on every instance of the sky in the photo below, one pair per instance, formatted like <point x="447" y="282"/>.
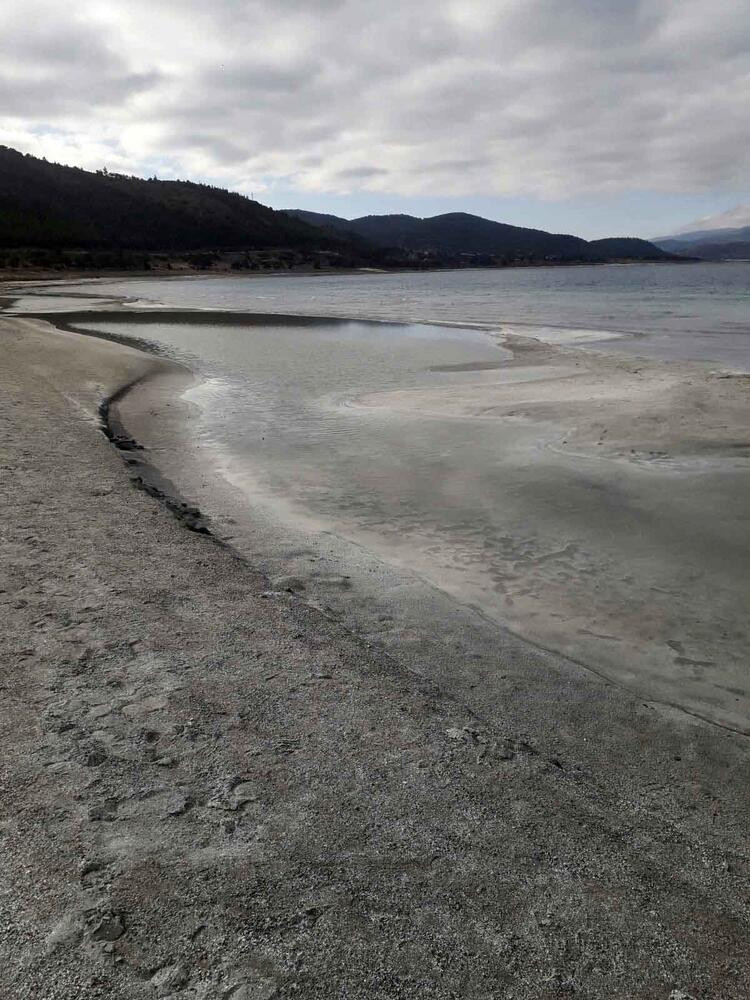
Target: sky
<point x="596" y="117"/>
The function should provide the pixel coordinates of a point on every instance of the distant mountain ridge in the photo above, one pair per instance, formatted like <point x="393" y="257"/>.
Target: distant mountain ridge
<point x="708" y="235"/>
<point x="710" y="244"/>
<point x="461" y="233"/>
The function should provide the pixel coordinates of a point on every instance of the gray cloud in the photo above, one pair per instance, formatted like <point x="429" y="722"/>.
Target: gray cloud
<point x="541" y="97"/>
<point x="735" y="218"/>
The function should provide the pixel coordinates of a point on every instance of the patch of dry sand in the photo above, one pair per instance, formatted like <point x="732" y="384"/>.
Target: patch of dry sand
<point x="628" y="407"/>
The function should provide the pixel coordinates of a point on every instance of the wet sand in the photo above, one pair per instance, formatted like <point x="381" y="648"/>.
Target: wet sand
<point x="668" y="445"/>
<point x="614" y="529"/>
<point x="211" y="789"/>
<point x="632" y="408"/>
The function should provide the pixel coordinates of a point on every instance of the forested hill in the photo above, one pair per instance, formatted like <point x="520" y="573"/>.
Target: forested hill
<point x="47" y="205"/>
<point x="627" y="248"/>
<point x="460" y="233"/>
<point x="66" y="210"/>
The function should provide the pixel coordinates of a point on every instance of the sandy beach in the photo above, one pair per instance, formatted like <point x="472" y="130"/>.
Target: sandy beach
<point x="213" y="790"/>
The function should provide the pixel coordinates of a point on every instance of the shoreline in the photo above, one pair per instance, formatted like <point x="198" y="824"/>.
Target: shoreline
<point x="689" y="444"/>
<point x="145" y="475"/>
<point x="219" y="790"/>
<point x="702" y="440"/>
<point x="611" y="336"/>
<point x="148" y="477"/>
<point x="10" y="276"/>
<point x="703" y="447"/>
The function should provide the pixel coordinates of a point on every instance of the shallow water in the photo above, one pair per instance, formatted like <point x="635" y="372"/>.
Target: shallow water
<point x="613" y="564"/>
<point x="689" y="311"/>
<point x="416" y="521"/>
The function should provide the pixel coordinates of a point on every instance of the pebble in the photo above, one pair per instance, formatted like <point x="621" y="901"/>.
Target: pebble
<point x="99" y="711"/>
<point x="178" y="805"/>
<point x="103" y="811"/>
<point x="243" y="793"/>
<point x="109" y="928"/>
<point x="169" y="979"/>
<point x="453" y="733"/>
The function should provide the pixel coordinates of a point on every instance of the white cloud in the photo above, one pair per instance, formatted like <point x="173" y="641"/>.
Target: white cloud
<point x="734" y="218"/>
<point x="541" y="97"/>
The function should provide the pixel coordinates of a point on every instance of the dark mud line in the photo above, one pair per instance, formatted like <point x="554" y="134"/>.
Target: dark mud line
<point x="145" y="476"/>
<point x="65" y="322"/>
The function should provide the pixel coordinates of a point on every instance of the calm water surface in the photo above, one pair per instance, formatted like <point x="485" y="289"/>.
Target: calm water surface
<point x="699" y="311"/>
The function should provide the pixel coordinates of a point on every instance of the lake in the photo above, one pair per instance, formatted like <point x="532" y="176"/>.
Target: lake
<point x="664" y="310"/>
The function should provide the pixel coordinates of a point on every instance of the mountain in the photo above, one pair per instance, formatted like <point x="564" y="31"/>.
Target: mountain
<point x="708" y="250"/>
<point x="46" y="208"/>
<point x="707" y="236"/>
<point x="722" y="222"/>
<point x="47" y="205"/>
<point x="627" y="248"/>
<point x="458" y="233"/>
<point x="710" y="244"/>
<point x="320" y="219"/>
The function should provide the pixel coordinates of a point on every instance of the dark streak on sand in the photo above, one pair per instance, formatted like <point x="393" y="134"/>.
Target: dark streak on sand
<point x="144" y="475"/>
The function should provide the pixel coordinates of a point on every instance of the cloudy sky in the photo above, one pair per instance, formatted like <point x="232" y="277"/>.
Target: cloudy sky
<point x="588" y="116"/>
